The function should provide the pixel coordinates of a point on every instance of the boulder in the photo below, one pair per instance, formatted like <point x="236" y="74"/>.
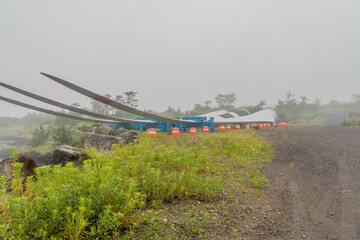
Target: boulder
<point x="102" y="142"/>
<point x="129" y="136"/>
<point x="27" y="169"/>
<point x="104" y="139"/>
<point x="65" y="153"/>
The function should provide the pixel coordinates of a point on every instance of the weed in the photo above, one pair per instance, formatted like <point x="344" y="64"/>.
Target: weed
<point x="13" y="155"/>
<point x="234" y="232"/>
<point x="292" y="166"/>
<point x="285" y="137"/>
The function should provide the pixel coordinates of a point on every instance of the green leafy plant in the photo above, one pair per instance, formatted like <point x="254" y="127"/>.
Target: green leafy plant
<point x="13" y="155"/>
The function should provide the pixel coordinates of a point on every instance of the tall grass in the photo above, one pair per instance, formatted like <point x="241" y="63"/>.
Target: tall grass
<point x="108" y="193"/>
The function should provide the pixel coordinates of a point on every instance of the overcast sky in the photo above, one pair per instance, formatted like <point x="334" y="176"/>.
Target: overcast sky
<point x="178" y="53"/>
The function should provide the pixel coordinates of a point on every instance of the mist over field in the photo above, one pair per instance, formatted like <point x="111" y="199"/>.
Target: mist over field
<point x="181" y="53"/>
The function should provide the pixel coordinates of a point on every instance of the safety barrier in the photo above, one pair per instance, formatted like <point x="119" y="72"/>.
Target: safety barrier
<point x="222" y="128"/>
<point x="152" y="132"/>
<point x="175" y="132"/>
<point x="206" y="129"/>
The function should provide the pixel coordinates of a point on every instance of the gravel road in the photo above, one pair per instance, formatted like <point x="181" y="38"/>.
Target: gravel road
<point x="315" y="182"/>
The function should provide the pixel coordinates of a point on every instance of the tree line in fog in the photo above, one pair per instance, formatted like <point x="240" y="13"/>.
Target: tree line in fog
<point x="292" y="108"/>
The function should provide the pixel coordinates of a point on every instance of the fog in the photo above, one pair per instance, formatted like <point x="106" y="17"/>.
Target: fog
<point x="179" y="53"/>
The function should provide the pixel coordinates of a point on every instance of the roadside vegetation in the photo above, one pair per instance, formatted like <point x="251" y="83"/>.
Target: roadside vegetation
<point x="353" y="121"/>
<point x="185" y="187"/>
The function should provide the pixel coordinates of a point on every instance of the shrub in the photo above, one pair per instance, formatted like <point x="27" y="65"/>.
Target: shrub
<point x="63" y="135"/>
<point x="353" y="121"/>
<point x="38" y="136"/>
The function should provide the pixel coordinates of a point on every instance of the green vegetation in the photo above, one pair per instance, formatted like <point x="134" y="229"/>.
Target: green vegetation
<point x="64" y="135"/>
<point x="39" y="135"/>
<point x="353" y="121"/>
<point x="41" y="132"/>
<point x="163" y="188"/>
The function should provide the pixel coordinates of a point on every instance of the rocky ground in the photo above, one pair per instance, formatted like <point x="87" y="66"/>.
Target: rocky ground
<point x="314" y="183"/>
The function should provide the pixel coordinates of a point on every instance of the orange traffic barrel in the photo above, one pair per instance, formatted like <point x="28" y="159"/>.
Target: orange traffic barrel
<point x="206" y="129"/>
<point x="228" y="127"/>
<point x="285" y="124"/>
<point x="269" y="125"/>
<point x="254" y="125"/>
<point x="152" y="132"/>
<point x="237" y="127"/>
<point x="274" y="124"/>
<point x="175" y="132"/>
<point x="247" y="126"/>
<point x="193" y="131"/>
<point x="222" y="128"/>
<point x="261" y="125"/>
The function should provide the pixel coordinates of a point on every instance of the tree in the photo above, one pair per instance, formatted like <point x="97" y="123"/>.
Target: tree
<point x="101" y="108"/>
<point x="356" y="99"/>
<point x="316" y="102"/>
<point x="304" y="100"/>
<point x="120" y="99"/>
<point x="261" y="104"/>
<point x="64" y="135"/>
<point x="171" y="112"/>
<point x="76" y="104"/>
<point x="130" y="99"/>
<point x="225" y="100"/>
<point x="207" y="103"/>
<point x="290" y="100"/>
<point x="38" y="136"/>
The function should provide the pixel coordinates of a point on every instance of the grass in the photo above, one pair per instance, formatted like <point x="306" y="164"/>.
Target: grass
<point x="44" y="148"/>
<point x="167" y="188"/>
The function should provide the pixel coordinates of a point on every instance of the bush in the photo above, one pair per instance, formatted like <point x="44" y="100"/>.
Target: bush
<point x="63" y="135"/>
<point x="353" y="121"/>
<point x="38" y="136"/>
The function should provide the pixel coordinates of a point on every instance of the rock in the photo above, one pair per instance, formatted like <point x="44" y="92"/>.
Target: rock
<point x="65" y="153"/>
<point x="104" y="139"/>
<point x="91" y="129"/>
<point x="129" y="136"/>
<point x="41" y="159"/>
<point x="27" y="169"/>
<point x="102" y="142"/>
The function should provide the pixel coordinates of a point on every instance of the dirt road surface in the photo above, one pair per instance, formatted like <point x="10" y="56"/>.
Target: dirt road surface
<point x="314" y="182"/>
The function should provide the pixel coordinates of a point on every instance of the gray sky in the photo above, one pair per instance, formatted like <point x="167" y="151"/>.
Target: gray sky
<point x="178" y="53"/>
